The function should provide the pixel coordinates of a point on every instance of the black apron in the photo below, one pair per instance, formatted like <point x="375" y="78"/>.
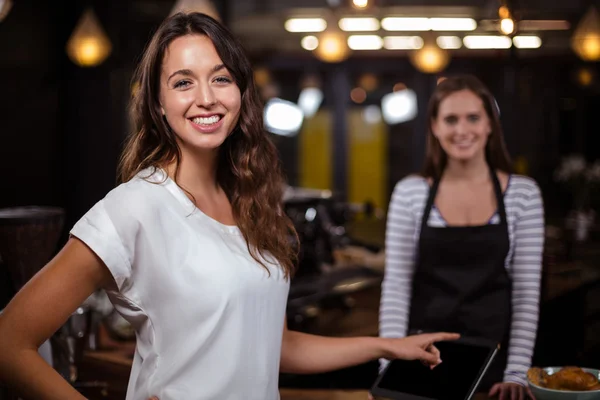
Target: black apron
<point x="461" y="284"/>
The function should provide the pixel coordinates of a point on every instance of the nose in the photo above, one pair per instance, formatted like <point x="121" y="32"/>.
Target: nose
<point x="462" y="127"/>
<point x="205" y="97"/>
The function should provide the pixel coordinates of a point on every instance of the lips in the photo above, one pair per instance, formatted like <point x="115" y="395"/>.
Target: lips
<point x="207" y="123"/>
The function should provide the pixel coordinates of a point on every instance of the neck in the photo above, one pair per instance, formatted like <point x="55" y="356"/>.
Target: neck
<point x="472" y="170"/>
<point x="197" y="172"/>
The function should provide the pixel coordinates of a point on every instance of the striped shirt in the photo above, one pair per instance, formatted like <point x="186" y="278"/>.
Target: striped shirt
<point x="525" y="217"/>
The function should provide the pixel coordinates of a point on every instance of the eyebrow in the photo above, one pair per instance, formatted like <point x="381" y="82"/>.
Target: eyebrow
<point x="188" y="72"/>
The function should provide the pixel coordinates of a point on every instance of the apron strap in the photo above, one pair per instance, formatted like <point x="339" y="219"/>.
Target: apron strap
<point x="499" y="196"/>
<point x="430" y="199"/>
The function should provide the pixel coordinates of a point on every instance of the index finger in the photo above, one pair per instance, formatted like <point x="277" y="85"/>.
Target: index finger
<point x="441" y="336"/>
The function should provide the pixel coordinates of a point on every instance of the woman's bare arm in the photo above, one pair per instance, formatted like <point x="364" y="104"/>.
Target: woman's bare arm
<point x="40" y="308"/>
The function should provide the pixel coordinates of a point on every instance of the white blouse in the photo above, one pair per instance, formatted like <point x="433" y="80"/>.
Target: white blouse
<point x="208" y="318"/>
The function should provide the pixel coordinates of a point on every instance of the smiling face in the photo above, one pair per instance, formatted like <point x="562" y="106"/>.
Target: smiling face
<point x="198" y="95"/>
<point x="462" y="126"/>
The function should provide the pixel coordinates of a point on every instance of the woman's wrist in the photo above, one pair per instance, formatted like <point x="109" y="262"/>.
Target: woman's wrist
<point x="380" y="347"/>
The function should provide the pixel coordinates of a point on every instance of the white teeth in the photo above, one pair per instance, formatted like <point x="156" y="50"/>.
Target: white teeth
<point x="207" y="121"/>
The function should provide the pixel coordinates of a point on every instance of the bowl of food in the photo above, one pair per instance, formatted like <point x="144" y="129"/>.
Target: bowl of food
<point x="564" y="383"/>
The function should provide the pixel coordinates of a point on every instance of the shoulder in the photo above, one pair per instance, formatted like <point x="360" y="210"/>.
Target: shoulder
<point x="136" y="194"/>
<point x="523" y="187"/>
<point x="410" y="192"/>
<point x="411" y="184"/>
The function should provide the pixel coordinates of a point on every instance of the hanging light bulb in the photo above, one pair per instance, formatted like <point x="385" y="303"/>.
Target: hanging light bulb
<point x="507" y="26"/>
<point x="201" y="6"/>
<point x="586" y="38"/>
<point x="360" y="3"/>
<point x="88" y="45"/>
<point x="430" y="59"/>
<point x="333" y="47"/>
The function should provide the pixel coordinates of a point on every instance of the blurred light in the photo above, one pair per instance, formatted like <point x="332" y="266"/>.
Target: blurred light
<point x="310" y="214"/>
<point x="585" y="77"/>
<point x="332" y="47"/>
<point x="503" y="12"/>
<point x="507" y="26"/>
<point x="359" y="24"/>
<point x="5" y="6"/>
<point x="358" y="95"/>
<point x="452" y="24"/>
<point x="309" y="43"/>
<point x="487" y="42"/>
<point x="305" y="25"/>
<point x="586" y="38"/>
<point x="527" y="42"/>
<point x="365" y="42"/>
<point x="405" y="24"/>
<point x="262" y="76"/>
<point x="282" y="117"/>
<point x="430" y="59"/>
<point x="88" y="45"/>
<point x="399" y="86"/>
<point x="428" y="24"/>
<point x="398" y="107"/>
<point x="360" y="3"/>
<point x="543" y="25"/>
<point x="449" y="42"/>
<point x="309" y="100"/>
<point x="441" y="79"/>
<point x="369" y="82"/>
<point x="202" y="6"/>
<point x="402" y="42"/>
<point x="372" y="114"/>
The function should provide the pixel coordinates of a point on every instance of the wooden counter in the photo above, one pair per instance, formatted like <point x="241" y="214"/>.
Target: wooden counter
<point x="113" y="369"/>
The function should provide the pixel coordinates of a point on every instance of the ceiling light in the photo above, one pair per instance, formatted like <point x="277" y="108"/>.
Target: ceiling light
<point x="305" y="25"/>
<point x="365" y="42"/>
<point x="452" y="24"/>
<point x="449" y="42"/>
<point x="332" y="47"/>
<point x="360" y="3"/>
<point x="507" y="26"/>
<point x="487" y="42"/>
<point x="405" y="24"/>
<point x="527" y="42"/>
<point x="309" y="43"/>
<point x="359" y="24"/>
<point x="428" y="24"/>
<point x="402" y="42"/>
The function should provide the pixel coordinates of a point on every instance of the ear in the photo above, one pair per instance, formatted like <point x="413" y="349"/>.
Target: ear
<point x="162" y="110"/>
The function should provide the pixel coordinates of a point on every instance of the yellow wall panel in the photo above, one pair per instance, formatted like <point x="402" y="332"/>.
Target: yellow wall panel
<point x="315" y="152"/>
<point x="367" y="161"/>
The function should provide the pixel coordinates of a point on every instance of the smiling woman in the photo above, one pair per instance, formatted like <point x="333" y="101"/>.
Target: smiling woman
<point x="193" y="248"/>
<point x="464" y="240"/>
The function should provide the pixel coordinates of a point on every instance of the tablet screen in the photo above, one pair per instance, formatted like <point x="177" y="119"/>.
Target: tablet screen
<point x="461" y="367"/>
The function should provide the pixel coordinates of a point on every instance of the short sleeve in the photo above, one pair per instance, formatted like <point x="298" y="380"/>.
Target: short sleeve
<point x="100" y="233"/>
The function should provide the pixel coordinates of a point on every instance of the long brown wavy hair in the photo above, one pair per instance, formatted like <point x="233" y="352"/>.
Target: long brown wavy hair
<point x="495" y="149"/>
<point x="248" y="169"/>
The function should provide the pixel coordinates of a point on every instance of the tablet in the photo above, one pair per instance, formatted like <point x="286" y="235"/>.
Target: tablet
<point x="464" y="362"/>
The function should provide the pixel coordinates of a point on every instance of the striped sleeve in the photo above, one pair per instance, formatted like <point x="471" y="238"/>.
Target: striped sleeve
<point x="399" y="261"/>
<point x="526" y="272"/>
